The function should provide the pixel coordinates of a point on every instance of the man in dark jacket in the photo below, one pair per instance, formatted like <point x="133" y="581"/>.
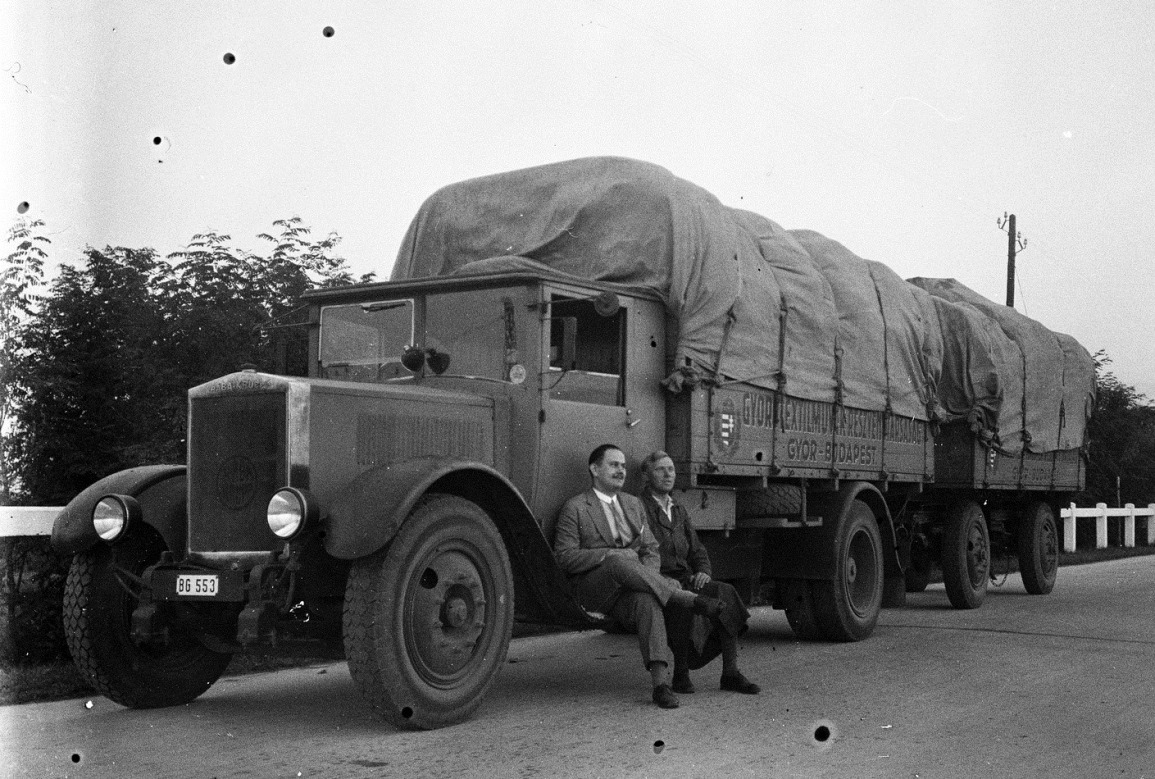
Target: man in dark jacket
<point x="603" y="544"/>
<point x="695" y="640"/>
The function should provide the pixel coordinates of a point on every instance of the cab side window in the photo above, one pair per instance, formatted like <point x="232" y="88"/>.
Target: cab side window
<point x="586" y="353"/>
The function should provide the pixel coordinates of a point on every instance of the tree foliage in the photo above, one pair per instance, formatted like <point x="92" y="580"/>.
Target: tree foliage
<point x="1121" y="444"/>
<point x="20" y="276"/>
<point x="103" y="364"/>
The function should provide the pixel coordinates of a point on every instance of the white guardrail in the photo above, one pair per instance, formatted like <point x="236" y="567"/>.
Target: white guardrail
<point x="37" y="521"/>
<point x="1101" y="513"/>
<point x="27" y="520"/>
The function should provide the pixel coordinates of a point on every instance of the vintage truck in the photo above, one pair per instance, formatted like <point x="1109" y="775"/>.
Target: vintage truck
<point x="836" y="431"/>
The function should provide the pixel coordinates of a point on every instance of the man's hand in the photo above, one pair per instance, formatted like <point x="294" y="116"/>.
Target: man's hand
<point x="699" y="580"/>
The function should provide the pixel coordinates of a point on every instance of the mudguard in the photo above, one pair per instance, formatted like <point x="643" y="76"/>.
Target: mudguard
<point x="161" y="492"/>
<point x="369" y="512"/>
<point x="809" y="553"/>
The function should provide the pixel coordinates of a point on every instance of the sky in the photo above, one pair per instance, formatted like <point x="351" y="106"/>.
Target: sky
<point x="904" y="130"/>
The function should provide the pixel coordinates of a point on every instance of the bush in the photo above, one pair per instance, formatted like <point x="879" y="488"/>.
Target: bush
<point x="31" y="602"/>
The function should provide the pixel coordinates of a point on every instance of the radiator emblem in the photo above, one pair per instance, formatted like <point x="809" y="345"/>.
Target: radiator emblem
<point x="236" y="482"/>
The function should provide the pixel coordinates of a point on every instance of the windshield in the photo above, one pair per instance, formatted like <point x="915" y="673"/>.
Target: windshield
<point x="476" y="329"/>
<point x="364" y="341"/>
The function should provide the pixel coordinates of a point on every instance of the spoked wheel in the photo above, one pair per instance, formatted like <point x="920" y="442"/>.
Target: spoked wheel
<point x="847" y="607"/>
<point x="99" y="598"/>
<point x="1038" y="542"/>
<point x="427" y="621"/>
<point x="966" y="555"/>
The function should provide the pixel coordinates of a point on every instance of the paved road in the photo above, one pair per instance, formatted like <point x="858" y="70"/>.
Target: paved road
<point x="1058" y="686"/>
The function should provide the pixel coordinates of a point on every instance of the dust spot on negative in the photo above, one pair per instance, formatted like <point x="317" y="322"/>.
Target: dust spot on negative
<point x="659" y="745"/>
<point x="823" y="734"/>
<point x="229" y="58"/>
<point x="77" y="758"/>
<point x="23" y="207"/>
<point x="328" y="32"/>
<point x="156" y="140"/>
<point x="407" y="712"/>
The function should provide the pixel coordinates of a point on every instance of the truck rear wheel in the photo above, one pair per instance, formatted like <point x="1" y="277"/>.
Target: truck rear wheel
<point x="966" y="555"/>
<point x="847" y="607"/>
<point x="1038" y="542"/>
<point x="98" y="606"/>
<point x="427" y="620"/>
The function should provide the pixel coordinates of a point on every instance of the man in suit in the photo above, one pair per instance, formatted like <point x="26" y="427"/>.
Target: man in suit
<point x="603" y="543"/>
<point x="695" y="640"/>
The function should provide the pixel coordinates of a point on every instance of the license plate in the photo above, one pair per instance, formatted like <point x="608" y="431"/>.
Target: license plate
<point x="204" y="585"/>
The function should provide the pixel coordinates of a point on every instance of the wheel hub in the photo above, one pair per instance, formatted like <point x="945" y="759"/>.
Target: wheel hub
<point x="455" y="612"/>
<point x="977" y="561"/>
<point x="446" y="613"/>
<point x="860" y="590"/>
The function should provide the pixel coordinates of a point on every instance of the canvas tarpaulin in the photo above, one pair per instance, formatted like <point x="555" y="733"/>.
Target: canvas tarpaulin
<point x="1040" y="388"/>
<point x="786" y="310"/>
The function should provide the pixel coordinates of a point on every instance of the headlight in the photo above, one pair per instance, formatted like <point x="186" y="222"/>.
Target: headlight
<point x="290" y="512"/>
<point x="113" y="515"/>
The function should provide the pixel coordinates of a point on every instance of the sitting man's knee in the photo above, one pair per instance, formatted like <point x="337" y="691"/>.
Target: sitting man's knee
<point x="620" y="565"/>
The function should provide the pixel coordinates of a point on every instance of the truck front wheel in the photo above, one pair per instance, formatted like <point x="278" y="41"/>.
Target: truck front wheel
<point x="427" y="620"/>
<point x="847" y="607"/>
<point x="1038" y="548"/>
<point x="98" y="606"/>
<point x="966" y="555"/>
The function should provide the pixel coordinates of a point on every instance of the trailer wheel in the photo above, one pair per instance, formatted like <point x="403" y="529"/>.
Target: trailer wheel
<point x="98" y="606"/>
<point x="847" y="607"/>
<point x="1038" y="542"/>
<point x="427" y="621"/>
<point x="966" y="555"/>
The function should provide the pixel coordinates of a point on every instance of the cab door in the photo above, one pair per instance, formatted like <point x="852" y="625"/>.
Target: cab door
<point x="601" y="383"/>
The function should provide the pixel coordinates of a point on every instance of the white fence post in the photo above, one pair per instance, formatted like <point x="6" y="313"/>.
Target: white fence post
<point x="1129" y="526"/>
<point x="1151" y="524"/>
<point x="1101" y="526"/>
<point x="1069" y="530"/>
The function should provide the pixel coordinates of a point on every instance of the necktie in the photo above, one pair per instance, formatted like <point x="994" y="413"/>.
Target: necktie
<point x="624" y="534"/>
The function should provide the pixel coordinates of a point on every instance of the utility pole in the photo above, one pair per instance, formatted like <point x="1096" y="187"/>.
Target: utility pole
<point x="1015" y="242"/>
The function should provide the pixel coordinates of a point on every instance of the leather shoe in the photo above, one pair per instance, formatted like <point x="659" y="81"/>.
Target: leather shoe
<point x="739" y="683"/>
<point x="709" y="607"/>
<point x="682" y="683"/>
<point x="664" y="697"/>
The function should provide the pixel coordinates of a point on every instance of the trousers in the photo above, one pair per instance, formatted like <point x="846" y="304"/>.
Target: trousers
<point x="695" y="640"/>
<point x="637" y="597"/>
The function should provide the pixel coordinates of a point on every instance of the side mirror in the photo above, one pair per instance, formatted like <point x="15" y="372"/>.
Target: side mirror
<point x="606" y="304"/>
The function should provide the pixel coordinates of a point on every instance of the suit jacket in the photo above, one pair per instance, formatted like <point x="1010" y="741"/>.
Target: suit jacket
<point x="583" y="536"/>
<point x="683" y="554"/>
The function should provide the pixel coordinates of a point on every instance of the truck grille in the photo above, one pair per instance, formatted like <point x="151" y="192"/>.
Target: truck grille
<point x="237" y="458"/>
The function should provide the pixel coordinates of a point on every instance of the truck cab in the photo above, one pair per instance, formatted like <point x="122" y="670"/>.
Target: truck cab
<point x="395" y="504"/>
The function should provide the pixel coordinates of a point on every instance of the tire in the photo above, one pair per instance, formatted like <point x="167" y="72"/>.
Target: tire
<point x="966" y="555"/>
<point x="427" y="620"/>
<point x="97" y="621"/>
<point x="847" y="607"/>
<point x="799" y="606"/>
<point x="1038" y="542"/>
<point x="917" y="574"/>
<point x="774" y="500"/>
